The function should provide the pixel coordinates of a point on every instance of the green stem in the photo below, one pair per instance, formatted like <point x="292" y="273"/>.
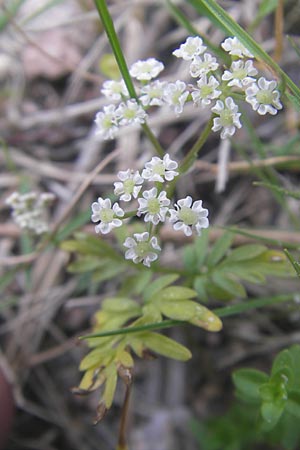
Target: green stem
<point x="154" y="141"/>
<point x="190" y="158"/>
<point x="123" y="423"/>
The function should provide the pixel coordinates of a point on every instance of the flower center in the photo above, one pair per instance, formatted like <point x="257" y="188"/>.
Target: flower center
<point x="128" y="186"/>
<point x="187" y="215"/>
<point x="159" y="168"/>
<point x="206" y="91"/>
<point x="106" y="215"/>
<point x="240" y="74"/>
<point x="153" y="206"/>
<point x="226" y="117"/>
<point x="142" y="249"/>
<point x="107" y="121"/>
<point x="265" y="97"/>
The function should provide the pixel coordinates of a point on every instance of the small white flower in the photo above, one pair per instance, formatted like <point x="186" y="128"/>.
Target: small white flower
<point x="207" y="91"/>
<point x="129" y="186"/>
<point x="190" y="48"/>
<point x="160" y="169"/>
<point x="29" y="210"/>
<point x="202" y="65"/>
<point x="240" y="74"/>
<point x="130" y="113"/>
<point x="146" y="70"/>
<point x="235" y="48"/>
<point x="141" y="248"/>
<point x="264" y="97"/>
<point x="175" y="95"/>
<point x="228" y="119"/>
<point x="189" y="216"/>
<point x="107" y="216"/>
<point x="154" y="207"/>
<point x="106" y="121"/>
<point x="152" y="93"/>
<point x="114" y="90"/>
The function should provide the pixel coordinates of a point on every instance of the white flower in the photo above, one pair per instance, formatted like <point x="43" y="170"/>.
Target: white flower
<point x="141" y="248"/>
<point x="106" y="121"/>
<point x="160" y="169"/>
<point x="240" y="74"/>
<point x="264" y="97"/>
<point x="29" y="210"/>
<point x="114" y="90"/>
<point x="207" y="91"/>
<point x="146" y="70"/>
<point x="175" y="95"/>
<point x="202" y="65"/>
<point x="228" y="119"/>
<point x="190" y="48"/>
<point x="107" y="216"/>
<point x="235" y="48"/>
<point x="130" y="113"/>
<point x="129" y="186"/>
<point x="189" y="217"/>
<point x="154" y="207"/>
<point x="152" y="93"/>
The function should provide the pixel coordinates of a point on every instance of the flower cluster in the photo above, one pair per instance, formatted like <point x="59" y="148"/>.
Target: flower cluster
<point x="214" y="87"/>
<point x="29" y="210"/>
<point x="152" y="204"/>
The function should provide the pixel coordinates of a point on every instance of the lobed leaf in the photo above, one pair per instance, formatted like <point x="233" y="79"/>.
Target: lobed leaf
<point x="219" y="249"/>
<point x="176" y="293"/>
<point x="248" y="382"/>
<point x="158" y="284"/>
<point x="165" y="346"/>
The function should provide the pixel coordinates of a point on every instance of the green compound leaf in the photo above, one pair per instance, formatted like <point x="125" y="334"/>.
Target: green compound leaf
<point x="179" y="310"/>
<point x="120" y="305"/>
<point x="220" y="248"/>
<point x="165" y="346"/>
<point x="176" y="293"/>
<point x="245" y="253"/>
<point x="97" y="358"/>
<point x="224" y="281"/>
<point x="248" y="382"/>
<point x="158" y="285"/>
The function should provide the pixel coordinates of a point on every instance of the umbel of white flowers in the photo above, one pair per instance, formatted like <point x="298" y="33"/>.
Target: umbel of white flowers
<point x="212" y="87"/>
<point x="152" y="205"/>
<point x="29" y="210"/>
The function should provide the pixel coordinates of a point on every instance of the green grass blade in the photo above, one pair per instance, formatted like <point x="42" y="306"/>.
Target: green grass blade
<point x="117" y="50"/>
<point x="272" y="187"/>
<point x="115" y="44"/>
<point x="294" y="263"/>
<point x="220" y="17"/>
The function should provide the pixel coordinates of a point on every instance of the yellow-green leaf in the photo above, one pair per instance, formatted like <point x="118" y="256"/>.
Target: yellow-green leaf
<point x="110" y="385"/>
<point x="91" y="380"/>
<point x="120" y="305"/>
<point x="176" y="293"/>
<point x="204" y="318"/>
<point x="96" y="358"/>
<point x="165" y="346"/>
<point x="179" y="310"/>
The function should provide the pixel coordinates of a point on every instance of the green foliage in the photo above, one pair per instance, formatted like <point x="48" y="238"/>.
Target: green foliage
<point x="125" y="323"/>
<point x="267" y="410"/>
<point x="218" y="273"/>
